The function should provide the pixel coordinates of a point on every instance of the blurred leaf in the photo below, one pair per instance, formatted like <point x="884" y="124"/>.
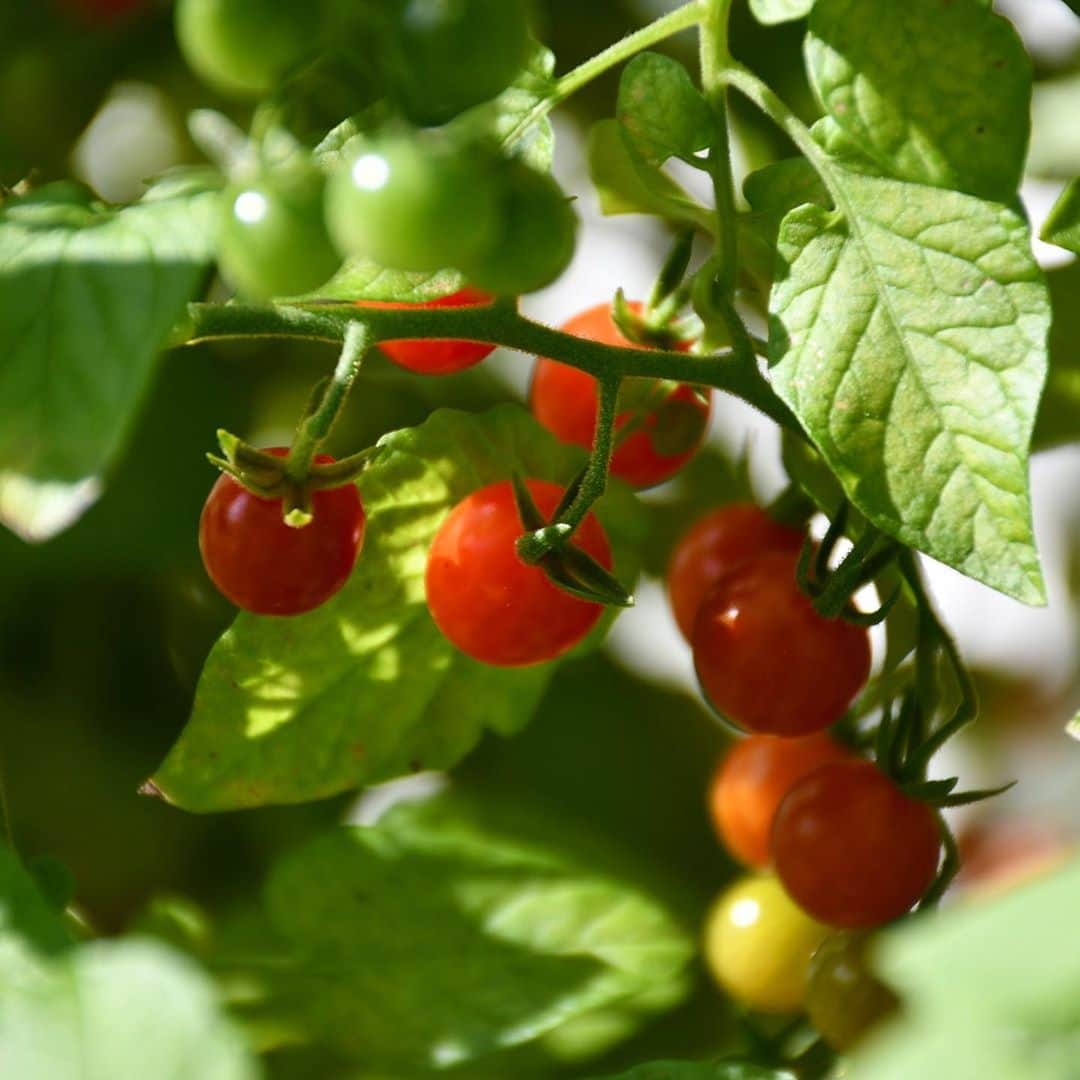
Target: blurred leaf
<point x="1058" y="419"/>
<point x="1062" y="227"/>
<point x="908" y="336"/>
<point x="438" y="936"/>
<point x="87" y="298"/>
<point x="860" y="60"/>
<point x="290" y="710"/>
<point x="27" y="917"/>
<point x="661" y="111"/>
<point x="989" y="990"/>
<point x="772" y="12"/>
<point x="627" y="184"/>
<point x="703" y="1070"/>
<point x="535" y="143"/>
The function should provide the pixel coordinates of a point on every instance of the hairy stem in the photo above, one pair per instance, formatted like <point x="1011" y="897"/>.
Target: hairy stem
<point x="595" y="479"/>
<point x="680" y="19"/>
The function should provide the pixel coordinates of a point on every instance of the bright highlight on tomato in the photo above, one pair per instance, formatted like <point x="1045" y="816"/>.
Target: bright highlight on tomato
<point x="273" y="241"/>
<point x="714" y="546"/>
<point x="758" y="945"/>
<point x="767" y="661"/>
<point x="269" y="568"/>
<point x="851" y="848"/>
<point x="488" y="602"/>
<point x="844" y="999"/>
<point x="434" y="356"/>
<point x="751" y="781"/>
<point x="663" y="439"/>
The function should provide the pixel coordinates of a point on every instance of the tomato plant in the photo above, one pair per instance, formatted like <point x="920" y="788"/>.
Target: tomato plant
<point x="486" y="600"/>
<point x="751" y="782"/>
<point x="481" y="837"/>
<point x="268" y="567"/>
<point x="438" y="357"/>
<point x="758" y="945"/>
<point x="852" y="848"/>
<point x="767" y="660"/>
<point x="653" y="442"/>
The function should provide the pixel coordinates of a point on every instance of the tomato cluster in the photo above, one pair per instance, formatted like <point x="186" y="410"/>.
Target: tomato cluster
<point x="838" y="844"/>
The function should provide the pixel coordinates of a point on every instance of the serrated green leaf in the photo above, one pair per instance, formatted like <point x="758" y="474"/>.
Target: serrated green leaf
<point x="774" y="12"/>
<point x="909" y="339"/>
<point x="87" y="298"/>
<point x="989" y="990"/>
<point x="1062" y="227"/>
<point x="626" y="184"/>
<point x="360" y="690"/>
<point x="661" y="110"/>
<point x="936" y="93"/>
<point x="108" y="1010"/>
<point x="437" y="937"/>
<point x="361" y="279"/>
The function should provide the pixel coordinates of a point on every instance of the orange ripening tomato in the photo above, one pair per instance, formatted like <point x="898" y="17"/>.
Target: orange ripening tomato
<point x="565" y="400"/>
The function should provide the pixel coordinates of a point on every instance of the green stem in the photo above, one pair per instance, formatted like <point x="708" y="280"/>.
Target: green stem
<point x="852" y="573"/>
<point x="680" y="19"/>
<point x="497" y="325"/>
<point x="596" y="476"/>
<point x="316" y="427"/>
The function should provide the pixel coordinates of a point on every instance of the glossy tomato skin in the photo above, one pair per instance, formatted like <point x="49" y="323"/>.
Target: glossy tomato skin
<point x="273" y="241"/>
<point x="413" y="201"/>
<point x="713" y="547"/>
<point x="242" y="48"/>
<point x="751" y="781"/>
<point x="844" y="999"/>
<point x="758" y="945"/>
<point x="767" y="661"/>
<point x="564" y="399"/>
<point x="437" y="357"/>
<point x="269" y="568"/>
<point x="851" y="848"/>
<point x="488" y="602"/>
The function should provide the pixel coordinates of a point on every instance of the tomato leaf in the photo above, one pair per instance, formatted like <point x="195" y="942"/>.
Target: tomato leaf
<point x="661" y="111"/>
<point x="366" y="687"/>
<point x="439" y="936"/>
<point x="361" y="279"/>
<point x="627" y="184"/>
<point x="883" y="72"/>
<point x="87" y="297"/>
<point x="773" y="12"/>
<point x="702" y="1070"/>
<point x="908" y="336"/>
<point x="1062" y="227"/>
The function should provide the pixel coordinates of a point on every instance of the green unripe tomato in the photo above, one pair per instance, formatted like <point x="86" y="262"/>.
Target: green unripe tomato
<point x="843" y="997"/>
<point x="758" y="945"/>
<point x="457" y="53"/>
<point x="413" y="202"/>
<point x="241" y="48"/>
<point x="538" y="230"/>
<point x="273" y="240"/>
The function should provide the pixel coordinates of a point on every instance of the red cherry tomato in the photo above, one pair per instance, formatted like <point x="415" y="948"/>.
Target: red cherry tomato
<point x="267" y="567"/>
<point x="488" y="602"/>
<point x="713" y="547"/>
<point x="752" y="780"/>
<point x="565" y="401"/>
<point x="851" y="848"/>
<point x="767" y="661"/>
<point x="437" y="357"/>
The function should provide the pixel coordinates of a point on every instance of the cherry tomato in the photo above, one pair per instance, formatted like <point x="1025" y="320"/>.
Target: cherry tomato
<point x="488" y="602"/>
<point x="564" y="400"/>
<point x="436" y="357"/>
<point x="767" y="661"/>
<point x="267" y="567"/>
<point x="413" y="202"/>
<point x="535" y="236"/>
<point x="713" y="547"/>
<point x="752" y="779"/>
<point x="242" y="48"/>
<point x="851" y="848"/>
<point x="844" y="999"/>
<point x="758" y="945"/>
<point x="273" y="241"/>
<point x="458" y="54"/>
